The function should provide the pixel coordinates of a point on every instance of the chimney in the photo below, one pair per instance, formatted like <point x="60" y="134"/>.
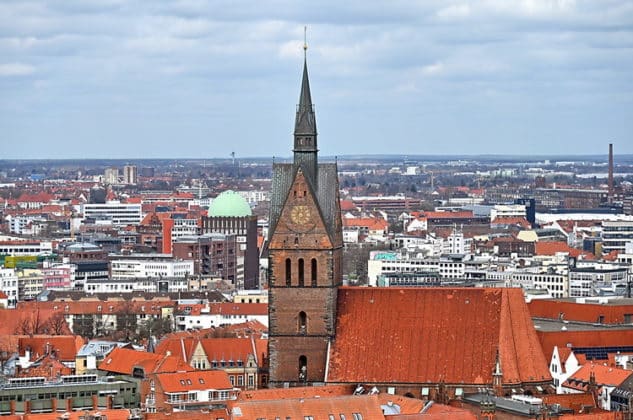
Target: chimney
<point x="610" y="193"/>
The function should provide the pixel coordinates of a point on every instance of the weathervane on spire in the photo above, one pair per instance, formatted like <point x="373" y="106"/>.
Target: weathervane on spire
<point x="305" y="41"/>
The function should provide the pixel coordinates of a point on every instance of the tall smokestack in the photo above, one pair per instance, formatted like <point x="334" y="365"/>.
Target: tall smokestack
<point x="610" y="197"/>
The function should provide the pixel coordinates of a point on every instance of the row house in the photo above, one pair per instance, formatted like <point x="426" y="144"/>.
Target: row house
<point x="9" y="285"/>
<point x="96" y="318"/>
<point x="186" y="391"/>
<point x="598" y="379"/>
<point x="130" y="285"/>
<point x="244" y="359"/>
<point x="197" y="316"/>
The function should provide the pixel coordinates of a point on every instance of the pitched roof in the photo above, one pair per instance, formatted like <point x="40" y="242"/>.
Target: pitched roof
<point x="65" y="346"/>
<point x="576" y="402"/>
<point x="123" y="361"/>
<point x="605" y="375"/>
<point x="582" y="312"/>
<point x="553" y="247"/>
<point x="594" y="338"/>
<point x="434" y="334"/>
<point x="320" y="408"/>
<point x="199" y="380"/>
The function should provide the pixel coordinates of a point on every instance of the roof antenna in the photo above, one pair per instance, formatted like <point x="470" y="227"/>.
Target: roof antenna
<point x="305" y="42"/>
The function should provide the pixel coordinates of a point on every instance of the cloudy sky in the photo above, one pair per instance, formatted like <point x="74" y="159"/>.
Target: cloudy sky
<point x="193" y="78"/>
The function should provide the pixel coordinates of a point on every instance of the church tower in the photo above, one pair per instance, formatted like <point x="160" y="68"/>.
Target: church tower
<point x="305" y="250"/>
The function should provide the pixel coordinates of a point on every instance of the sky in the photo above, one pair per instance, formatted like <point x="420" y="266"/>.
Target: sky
<point x="202" y="79"/>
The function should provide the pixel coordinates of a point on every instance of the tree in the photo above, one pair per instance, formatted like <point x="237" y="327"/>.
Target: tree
<point x="56" y="324"/>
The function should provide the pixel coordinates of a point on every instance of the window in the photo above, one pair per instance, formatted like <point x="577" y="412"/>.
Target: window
<point x="288" y="271"/>
<point x="303" y="368"/>
<point x="357" y="416"/>
<point x="313" y="272"/>
<point x="301" y="272"/>
<point x="302" y="319"/>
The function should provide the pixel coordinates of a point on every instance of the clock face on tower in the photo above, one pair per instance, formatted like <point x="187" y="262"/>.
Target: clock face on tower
<point x="300" y="215"/>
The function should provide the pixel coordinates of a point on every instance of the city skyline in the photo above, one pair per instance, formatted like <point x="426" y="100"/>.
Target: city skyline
<point x="150" y="80"/>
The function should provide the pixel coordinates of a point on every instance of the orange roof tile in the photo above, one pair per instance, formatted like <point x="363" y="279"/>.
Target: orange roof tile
<point x="553" y="247"/>
<point x="583" y="312"/>
<point x="598" y="338"/>
<point x="320" y="408"/>
<point x="574" y="401"/>
<point x="434" y="334"/>
<point x="605" y="375"/>
<point x="194" y="381"/>
<point x="65" y="346"/>
<point x="121" y="360"/>
<point x="515" y="221"/>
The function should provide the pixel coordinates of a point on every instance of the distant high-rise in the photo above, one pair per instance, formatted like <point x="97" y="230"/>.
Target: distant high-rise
<point x="130" y="175"/>
<point x="111" y="176"/>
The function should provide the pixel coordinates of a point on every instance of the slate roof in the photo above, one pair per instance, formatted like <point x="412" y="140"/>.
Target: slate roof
<point x="429" y="335"/>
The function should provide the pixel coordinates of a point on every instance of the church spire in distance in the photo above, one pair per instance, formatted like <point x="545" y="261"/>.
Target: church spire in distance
<point x="305" y="135"/>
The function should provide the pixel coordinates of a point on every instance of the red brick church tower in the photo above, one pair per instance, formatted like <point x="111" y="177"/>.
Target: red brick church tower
<point x="305" y="252"/>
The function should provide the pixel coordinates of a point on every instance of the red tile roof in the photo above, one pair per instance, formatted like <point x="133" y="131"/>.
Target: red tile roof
<point x="600" y="338"/>
<point x="583" y="312"/>
<point x="199" y="380"/>
<point x="320" y="408"/>
<point x="553" y="247"/>
<point x="65" y="346"/>
<point x="576" y="402"/>
<point x="511" y="221"/>
<point x="605" y="375"/>
<point x="433" y="334"/>
<point x="123" y="361"/>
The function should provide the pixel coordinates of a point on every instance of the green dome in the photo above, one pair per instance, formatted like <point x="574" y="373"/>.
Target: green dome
<point x="229" y="204"/>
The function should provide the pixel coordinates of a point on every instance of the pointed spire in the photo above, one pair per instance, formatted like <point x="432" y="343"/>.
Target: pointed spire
<point x="305" y="135"/>
<point x="305" y="122"/>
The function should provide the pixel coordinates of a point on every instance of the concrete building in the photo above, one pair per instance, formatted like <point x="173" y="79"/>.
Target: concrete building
<point x="9" y="285"/>
<point x="594" y="281"/>
<point x="138" y="266"/>
<point x="213" y="254"/>
<point x="111" y="176"/>
<point x="616" y="234"/>
<point x="130" y="175"/>
<point x="116" y="213"/>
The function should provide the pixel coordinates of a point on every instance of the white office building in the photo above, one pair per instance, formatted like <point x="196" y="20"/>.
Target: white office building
<point x="119" y="214"/>
<point x="153" y="266"/>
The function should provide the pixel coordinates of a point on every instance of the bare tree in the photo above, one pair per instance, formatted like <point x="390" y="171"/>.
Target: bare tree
<point x="56" y="325"/>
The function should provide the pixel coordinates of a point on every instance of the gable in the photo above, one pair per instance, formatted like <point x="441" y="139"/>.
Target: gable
<point x="301" y="221"/>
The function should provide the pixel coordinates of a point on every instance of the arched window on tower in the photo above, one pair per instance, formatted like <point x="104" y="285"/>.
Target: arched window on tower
<point x="303" y="368"/>
<point x="301" y="272"/>
<point x="313" y="272"/>
<point x="288" y="271"/>
<point x="302" y="322"/>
